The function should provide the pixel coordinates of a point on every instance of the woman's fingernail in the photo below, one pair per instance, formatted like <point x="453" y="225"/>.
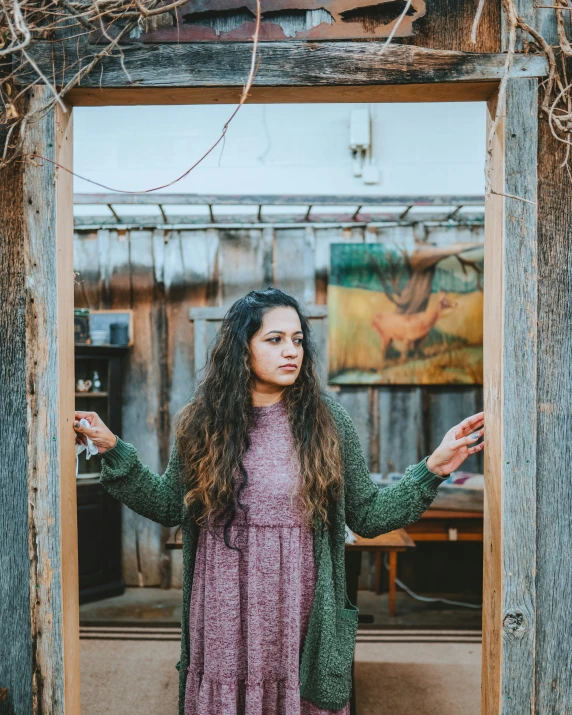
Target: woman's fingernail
<point x="76" y="424"/>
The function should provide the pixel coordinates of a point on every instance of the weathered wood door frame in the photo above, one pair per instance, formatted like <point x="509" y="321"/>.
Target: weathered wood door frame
<point x="510" y="381"/>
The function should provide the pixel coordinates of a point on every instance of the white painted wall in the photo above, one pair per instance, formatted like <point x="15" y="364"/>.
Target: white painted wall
<point x="296" y="148"/>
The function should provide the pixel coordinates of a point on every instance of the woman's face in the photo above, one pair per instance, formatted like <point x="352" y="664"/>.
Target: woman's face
<point x="276" y="349"/>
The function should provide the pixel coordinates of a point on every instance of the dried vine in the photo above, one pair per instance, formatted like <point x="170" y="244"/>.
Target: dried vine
<point x="556" y="102"/>
<point x="25" y="22"/>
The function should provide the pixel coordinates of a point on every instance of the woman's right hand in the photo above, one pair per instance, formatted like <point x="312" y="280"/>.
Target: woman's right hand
<point x="98" y="432"/>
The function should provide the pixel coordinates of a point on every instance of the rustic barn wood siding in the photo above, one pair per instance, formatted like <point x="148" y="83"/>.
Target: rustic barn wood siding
<point x="553" y="446"/>
<point x="38" y="536"/>
<point x="282" y="64"/>
<point x="162" y="274"/>
<point x="510" y="405"/>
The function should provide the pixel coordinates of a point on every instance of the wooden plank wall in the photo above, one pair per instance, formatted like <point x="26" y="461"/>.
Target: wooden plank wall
<point x="38" y="534"/>
<point x="161" y="274"/>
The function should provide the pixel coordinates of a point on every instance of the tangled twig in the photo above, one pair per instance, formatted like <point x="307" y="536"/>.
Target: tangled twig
<point x="26" y="22"/>
<point x="87" y="18"/>
<point x="557" y="109"/>
<point x="243" y="98"/>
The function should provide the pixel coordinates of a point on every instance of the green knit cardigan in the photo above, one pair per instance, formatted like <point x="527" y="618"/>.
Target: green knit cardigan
<point x="328" y="649"/>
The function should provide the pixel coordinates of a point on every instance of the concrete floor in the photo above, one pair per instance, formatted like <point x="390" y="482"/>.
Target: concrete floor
<point x="155" y="606"/>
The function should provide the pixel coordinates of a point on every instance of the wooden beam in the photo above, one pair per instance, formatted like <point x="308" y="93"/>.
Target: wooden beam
<point x="282" y="64"/>
<point x="389" y="93"/>
<point x="39" y="570"/>
<point x="510" y="396"/>
<point x="276" y="200"/>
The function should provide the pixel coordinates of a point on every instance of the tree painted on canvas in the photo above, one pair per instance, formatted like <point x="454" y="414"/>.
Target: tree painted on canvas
<point x="400" y="316"/>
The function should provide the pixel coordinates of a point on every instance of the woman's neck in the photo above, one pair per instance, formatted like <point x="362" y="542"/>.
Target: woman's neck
<point x="264" y="398"/>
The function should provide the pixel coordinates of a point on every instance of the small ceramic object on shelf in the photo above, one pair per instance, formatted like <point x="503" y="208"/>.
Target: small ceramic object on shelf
<point x="83" y="385"/>
<point x="119" y="333"/>
<point x="96" y="382"/>
<point x="98" y="337"/>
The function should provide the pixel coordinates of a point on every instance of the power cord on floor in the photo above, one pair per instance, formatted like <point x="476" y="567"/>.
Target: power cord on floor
<point x="428" y="598"/>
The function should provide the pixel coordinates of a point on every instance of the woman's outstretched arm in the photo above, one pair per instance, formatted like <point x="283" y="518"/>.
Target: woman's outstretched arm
<point x="157" y="497"/>
<point x="371" y="511"/>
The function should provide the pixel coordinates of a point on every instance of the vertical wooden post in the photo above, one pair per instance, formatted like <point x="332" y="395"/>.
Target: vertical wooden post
<point x="38" y="528"/>
<point x="553" y="679"/>
<point x="510" y="396"/>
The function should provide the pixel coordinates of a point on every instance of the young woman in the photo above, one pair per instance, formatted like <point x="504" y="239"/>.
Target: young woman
<point x="264" y="473"/>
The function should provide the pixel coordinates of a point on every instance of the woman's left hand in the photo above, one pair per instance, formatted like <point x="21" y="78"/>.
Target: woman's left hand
<point x="457" y="445"/>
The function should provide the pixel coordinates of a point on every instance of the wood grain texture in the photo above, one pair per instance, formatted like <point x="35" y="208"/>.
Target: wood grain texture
<point x="39" y="560"/>
<point x="66" y="388"/>
<point x="447" y="25"/>
<point x="142" y="415"/>
<point x="553" y="683"/>
<point x="243" y="257"/>
<point x="356" y="402"/>
<point x="509" y="616"/>
<point x="49" y="470"/>
<point x="293" y="262"/>
<point x="401" y="429"/>
<point x="519" y="365"/>
<point x="282" y="64"/>
<point x="492" y="398"/>
<point x="473" y="91"/>
<point x="15" y="671"/>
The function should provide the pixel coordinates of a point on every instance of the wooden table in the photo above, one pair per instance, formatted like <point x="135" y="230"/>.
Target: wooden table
<point x="393" y="542"/>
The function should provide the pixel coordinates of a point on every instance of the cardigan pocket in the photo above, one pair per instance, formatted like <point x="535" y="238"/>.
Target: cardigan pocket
<point x="342" y="651"/>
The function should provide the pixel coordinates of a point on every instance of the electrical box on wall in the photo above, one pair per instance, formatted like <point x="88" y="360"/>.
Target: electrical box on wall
<point x="361" y="146"/>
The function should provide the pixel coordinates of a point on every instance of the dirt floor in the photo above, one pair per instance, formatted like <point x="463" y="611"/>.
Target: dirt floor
<point x="129" y="672"/>
<point x="426" y="660"/>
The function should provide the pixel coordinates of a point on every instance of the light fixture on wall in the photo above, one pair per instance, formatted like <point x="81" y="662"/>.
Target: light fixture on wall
<point x="361" y="146"/>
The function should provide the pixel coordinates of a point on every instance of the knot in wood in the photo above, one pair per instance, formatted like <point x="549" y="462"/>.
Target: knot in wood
<point x="513" y="621"/>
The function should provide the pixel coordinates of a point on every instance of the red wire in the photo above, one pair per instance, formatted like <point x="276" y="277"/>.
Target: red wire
<point x="144" y="191"/>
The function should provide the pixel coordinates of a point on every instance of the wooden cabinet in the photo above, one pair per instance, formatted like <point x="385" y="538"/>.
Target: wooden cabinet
<point x="98" y="513"/>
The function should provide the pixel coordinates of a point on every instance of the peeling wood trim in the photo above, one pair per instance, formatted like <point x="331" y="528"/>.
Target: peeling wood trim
<point x="282" y="64"/>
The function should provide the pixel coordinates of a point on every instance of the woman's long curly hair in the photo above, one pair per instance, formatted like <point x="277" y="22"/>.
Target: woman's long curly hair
<point x="212" y="429"/>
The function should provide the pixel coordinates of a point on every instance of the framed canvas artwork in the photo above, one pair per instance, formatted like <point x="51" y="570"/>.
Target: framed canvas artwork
<point x="405" y="316"/>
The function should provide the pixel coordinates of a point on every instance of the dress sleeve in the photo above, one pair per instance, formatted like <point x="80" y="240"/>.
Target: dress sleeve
<point x="370" y="510"/>
<point x="157" y="497"/>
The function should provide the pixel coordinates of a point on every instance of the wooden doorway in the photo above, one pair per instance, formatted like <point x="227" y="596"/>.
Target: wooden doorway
<point x="510" y="364"/>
